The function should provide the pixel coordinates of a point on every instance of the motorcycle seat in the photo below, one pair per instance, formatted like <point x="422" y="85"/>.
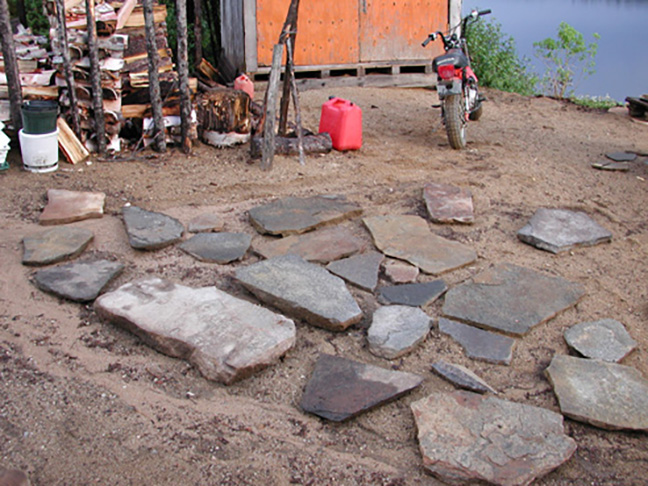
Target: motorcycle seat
<point x="454" y="57"/>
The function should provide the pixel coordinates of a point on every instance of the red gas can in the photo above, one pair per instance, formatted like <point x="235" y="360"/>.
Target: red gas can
<point x="245" y="84"/>
<point x="343" y="121"/>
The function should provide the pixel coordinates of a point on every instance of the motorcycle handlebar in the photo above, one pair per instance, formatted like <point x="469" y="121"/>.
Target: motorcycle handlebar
<point x="485" y="12"/>
<point x="430" y="38"/>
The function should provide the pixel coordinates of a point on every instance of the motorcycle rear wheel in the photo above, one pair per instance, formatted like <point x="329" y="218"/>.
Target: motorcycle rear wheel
<point x="455" y="121"/>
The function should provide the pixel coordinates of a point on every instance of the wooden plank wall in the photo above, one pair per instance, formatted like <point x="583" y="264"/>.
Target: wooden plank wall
<point x="232" y="33"/>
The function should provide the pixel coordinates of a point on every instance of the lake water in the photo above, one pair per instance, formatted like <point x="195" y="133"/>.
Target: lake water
<point x="622" y="59"/>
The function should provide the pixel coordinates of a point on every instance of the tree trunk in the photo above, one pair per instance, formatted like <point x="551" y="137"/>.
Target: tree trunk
<point x="67" y="68"/>
<point x="198" y="31"/>
<point x="288" y="35"/>
<point x="95" y="76"/>
<point x="159" y="134"/>
<point x="183" y="73"/>
<point x="11" y="66"/>
<point x="312" y="144"/>
<point x="271" y="108"/>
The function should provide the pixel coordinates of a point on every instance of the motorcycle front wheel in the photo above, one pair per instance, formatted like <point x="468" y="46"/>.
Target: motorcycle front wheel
<point x="455" y="121"/>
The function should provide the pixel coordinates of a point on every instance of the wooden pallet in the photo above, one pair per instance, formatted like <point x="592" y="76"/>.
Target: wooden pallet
<point x="414" y="74"/>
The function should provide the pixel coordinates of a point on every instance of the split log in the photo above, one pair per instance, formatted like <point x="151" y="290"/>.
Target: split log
<point x="125" y="12"/>
<point x="11" y="66"/>
<point x="224" y="110"/>
<point x="74" y="151"/>
<point x="312" y="144"/>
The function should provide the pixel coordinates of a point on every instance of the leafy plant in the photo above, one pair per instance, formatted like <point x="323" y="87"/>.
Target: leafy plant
<point x="595" y="102"/>
<point x="36" y="18"/>
<point x="495" y="59"/>
<point x="568" y="59"/>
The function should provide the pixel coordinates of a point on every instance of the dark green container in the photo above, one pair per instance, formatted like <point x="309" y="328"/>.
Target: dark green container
<point x="39" y="116"/>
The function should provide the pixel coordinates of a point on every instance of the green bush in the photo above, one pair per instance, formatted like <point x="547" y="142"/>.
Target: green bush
<point x="495" y="59"/>
<point x="36" y="18"/>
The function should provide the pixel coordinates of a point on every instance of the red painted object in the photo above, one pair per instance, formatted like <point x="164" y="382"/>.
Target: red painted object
<point x="244" y="84"/>
<point x="343" y="122"/>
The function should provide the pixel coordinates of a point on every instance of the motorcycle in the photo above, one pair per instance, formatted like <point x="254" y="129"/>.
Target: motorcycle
<point x="456" y="81"/>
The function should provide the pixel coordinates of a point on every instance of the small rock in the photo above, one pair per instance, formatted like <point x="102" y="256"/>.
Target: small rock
<point x="448" y="204"/>
<point x="622" y="156"/>
<point x="13" y="477"/>
<point x="70" y="206"/>
<point x="606" y="339"/>
<point x="479" y="344"/>
<point x="400" y="272"/>
<point x="217" y="247"/>
<point x="340" y="388"/>
<point x="612" y="166"/>
<point x="414" y="294"/>
<point x="55" y="245"/>
<point x="206" y="223"/>
<point x="396" y="330"/>
<point x="359" y="270"/>
<point x="148" y="230"/>
<point x="461" y="377"/>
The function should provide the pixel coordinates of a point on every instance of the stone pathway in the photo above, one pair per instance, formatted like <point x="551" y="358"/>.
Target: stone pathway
<point x="396" y="330"/>
<point x="217" y="247"/>
<point x="149" y="230"/>
<point x="606" y="339"/>
<point x="55" y="245"/>
<point x="226" y="338"/>
<point x="414" y="294"/>
<point x="340" y="388"/>
<point x="464" y="436"/>
<point x="70" y="206"/>
<point x="359" y="270"/>
<point x="479" y="344"/>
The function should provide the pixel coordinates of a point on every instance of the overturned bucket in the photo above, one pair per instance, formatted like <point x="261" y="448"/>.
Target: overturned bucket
<point x="40" y="153"/>
<point x="39" y="116"/>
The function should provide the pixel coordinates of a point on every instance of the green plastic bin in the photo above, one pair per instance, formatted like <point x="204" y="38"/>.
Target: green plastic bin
<point x="39" y="116"/>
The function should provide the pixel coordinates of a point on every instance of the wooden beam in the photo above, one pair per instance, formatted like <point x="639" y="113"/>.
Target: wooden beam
<point x="271" y="108"/>
<point x="74" y="151"/>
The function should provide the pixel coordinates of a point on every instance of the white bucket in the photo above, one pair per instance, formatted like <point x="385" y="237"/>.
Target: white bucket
<point x="39" y="152"/>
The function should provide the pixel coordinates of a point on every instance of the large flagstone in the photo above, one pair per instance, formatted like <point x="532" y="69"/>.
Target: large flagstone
<point x="226" y="338"/>
<point x="606" y="339"/>
<point x="69" y="206"/>
<point x="55" y="245"/>
<point x="607" y="395"/>
<point x="320" y="246"/>
<point x="217" y="247"/>
<point x="511" y="299"/>
<point x="78" y="281"/>
<point x="409" y="238"/>
<point x="294" y="215"/>
<point x="448" y="204"/>
<point x="558" y="230"/>
<point x="340" y="388"/>
<point x="303" y="290"/>
<point x="464" y="436"/>
<point x="149" y="230"/>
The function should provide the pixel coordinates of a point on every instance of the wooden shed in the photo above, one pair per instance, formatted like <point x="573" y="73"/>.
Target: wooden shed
<point x="366" y="42"/>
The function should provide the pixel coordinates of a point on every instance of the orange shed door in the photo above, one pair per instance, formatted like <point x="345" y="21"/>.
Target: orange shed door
<point x="394" y="29"/>
<point x="327" y="31"/>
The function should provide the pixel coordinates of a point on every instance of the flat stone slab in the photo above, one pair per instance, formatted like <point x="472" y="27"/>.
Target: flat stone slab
<point x="359" y="270"/>
<point x="206" y="223"/>
<point x="612" y="166"/>
<point x="303" y="290"/>
<point x="340" y="388"/>
<point x="78" y="281"/>
<point x="69" y="206"/>
<point x="55" y="245"/>
<point x="294" y="215"/>
<point x="465" y="436"/>
<point x="606" y="339"/>
<point x="148" y="230"/>
<point x="461" y="377"/>
<point x="400" y="272"/>
<point x="413" y="294"/>
<point x="511" y="299"/>
<point x="217" y="247"/>
<point x="409" y="238"/>
<point x="558" y="230"/>
<point x="622" y="156"/>
<point x="13" y="477"/>
<point x="479" y="344"/>
<point x="396" y="330"/>
<point x="448" y="204"/>
<point x="226" y="338"/>
<point x="320" y="246"/>
<point x="606" y="395"/>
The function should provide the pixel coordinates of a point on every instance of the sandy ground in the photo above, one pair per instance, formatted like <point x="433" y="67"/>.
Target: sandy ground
<point x="84" y="402"/>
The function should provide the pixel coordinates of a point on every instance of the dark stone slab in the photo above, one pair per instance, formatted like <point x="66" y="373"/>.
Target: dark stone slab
<point x="511" y="299"/>
<point x="340" y="388"/>
<point x="217" y="247"/>
<point x="359" y="270"/>
<point x="70" y="206"/>
<point x="397" y="329"/>
<point x="461" y="377"/>
<point x="558" y="230"/>
<point x="409" y="238"/>
<point x="414" y="294"/>
<point x="295" y="215"/>
<point x="320" y="246"/>
<point x="303" y="290"/>
<point x="78" y="281"/>
<point x="612" y="166"/>
<point x="622" y="156"/>
<point x="226" y="338"/>
<point x="606" y="395"/>
<point x="479" y="344"/>
<point x="466" y="437"/>
<point x="55" y="245"/>
<point x="206" y="223"/>
<point x="606" y="339"/>
<point x="448" y="204"/>
<point x="148" y="230"/>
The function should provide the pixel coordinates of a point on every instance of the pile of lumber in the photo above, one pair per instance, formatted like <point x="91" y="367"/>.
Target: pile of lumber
<point x="35" y="70"/>
<point x="124" y="70"/>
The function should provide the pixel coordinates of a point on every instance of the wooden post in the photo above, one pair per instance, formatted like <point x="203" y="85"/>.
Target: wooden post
<point x="295" y="97"/>
<point x="183" y="73"/>
<point x="95" y="76"/>
<point x="159" y="134"/>
<point x="67" y="68"/>
<point x="198" y="54"/>
<point x="288" y="35"/>
<point x="11" y="66"/>
<point x="271" y="108"/>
